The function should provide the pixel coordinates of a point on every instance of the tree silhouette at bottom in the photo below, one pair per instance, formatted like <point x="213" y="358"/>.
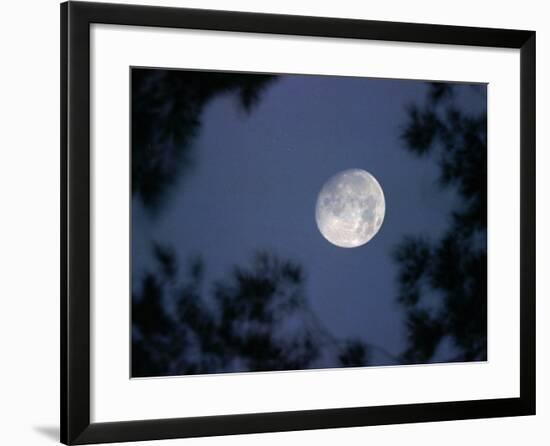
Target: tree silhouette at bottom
<point x="257" y="319"/>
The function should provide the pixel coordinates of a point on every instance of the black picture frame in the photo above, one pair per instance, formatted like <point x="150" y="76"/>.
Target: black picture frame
<point x="76" y="18"/>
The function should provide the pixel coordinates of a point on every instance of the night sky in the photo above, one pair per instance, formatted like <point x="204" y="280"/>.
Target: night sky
<point x="255" y="180"/>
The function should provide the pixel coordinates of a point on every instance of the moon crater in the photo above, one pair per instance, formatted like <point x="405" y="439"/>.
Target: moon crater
<point x="350" y="208"/>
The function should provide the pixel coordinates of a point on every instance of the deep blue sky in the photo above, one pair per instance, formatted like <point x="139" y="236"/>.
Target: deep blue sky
<point x="257" y="177"/>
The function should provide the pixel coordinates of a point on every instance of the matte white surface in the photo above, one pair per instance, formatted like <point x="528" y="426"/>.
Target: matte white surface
<point x="29" y="188"/>
<point x="115" y="397"/>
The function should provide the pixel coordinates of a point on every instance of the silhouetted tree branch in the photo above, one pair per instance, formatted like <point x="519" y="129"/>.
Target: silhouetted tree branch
<point x="442" y="283"/>
<point x="166" y="117"/>
<point x="257" y="319"/>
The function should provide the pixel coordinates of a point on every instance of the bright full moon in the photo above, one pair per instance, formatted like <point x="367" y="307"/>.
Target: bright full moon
<point x="350" y="208"/>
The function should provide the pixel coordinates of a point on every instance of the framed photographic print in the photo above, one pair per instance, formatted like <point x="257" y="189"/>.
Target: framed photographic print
<point x="279" y="223"/>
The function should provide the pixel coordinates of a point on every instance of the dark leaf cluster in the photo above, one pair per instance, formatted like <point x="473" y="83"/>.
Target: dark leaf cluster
<point x="257" y="319"/>
<point x="167" y="106"/>
<point x="442" y="283"/>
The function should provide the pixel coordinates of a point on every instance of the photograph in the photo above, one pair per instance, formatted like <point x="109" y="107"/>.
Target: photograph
<point x="287" y="222"/>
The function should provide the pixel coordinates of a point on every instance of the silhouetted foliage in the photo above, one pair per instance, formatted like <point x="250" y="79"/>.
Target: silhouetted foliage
<point x="443" y="282"/>
<point x="257" y="319"/>
<point x="166" y="117"/>
<point x="354" y="354"/>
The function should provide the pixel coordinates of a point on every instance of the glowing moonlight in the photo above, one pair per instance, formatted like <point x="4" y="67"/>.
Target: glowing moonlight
<point x="350" y="208"/>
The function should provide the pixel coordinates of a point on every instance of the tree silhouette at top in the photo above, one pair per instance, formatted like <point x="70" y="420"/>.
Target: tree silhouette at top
<point x="166" y="117"/>
<point x="442" y="283"/>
